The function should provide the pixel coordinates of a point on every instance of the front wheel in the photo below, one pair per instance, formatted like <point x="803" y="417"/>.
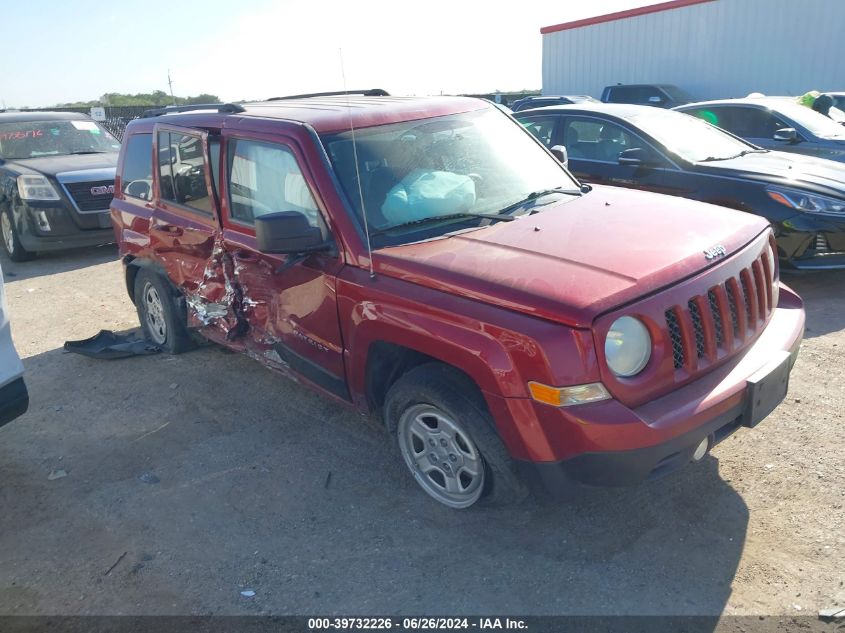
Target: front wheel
<point x="447" y="439"/>
<point x="11" y="242"/>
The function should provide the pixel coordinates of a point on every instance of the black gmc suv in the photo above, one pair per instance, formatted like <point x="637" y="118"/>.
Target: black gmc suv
<point x="56" y="182"/>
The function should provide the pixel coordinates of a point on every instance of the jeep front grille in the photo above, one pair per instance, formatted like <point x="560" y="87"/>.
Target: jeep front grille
<point x="722" y="320"/>
<point x="84" y="199"/>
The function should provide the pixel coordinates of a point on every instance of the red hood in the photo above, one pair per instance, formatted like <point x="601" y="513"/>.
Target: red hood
<point x="590" y="255"/>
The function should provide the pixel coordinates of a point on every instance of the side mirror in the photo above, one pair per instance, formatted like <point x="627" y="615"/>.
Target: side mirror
<point x="287" y="232"/>
<point x="560" y="153"/>
<point x="636" y="157"/>
<point x="787" y="134"/>
<point x="139" y="189"/>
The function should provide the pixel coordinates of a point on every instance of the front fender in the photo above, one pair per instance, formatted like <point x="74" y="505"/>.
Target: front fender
<point x="501" y="350"/>
<point x="476" y="353"/>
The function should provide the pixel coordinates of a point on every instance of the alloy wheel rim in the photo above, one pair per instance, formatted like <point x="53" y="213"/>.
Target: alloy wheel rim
<point x="154" y="311"/>
<point x="8" y="236"/>
<point x="441" y="456"/>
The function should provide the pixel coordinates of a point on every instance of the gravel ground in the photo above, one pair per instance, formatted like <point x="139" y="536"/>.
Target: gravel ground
<point x="190" y="479"/>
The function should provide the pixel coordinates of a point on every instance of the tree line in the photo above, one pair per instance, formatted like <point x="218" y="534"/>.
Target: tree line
<point x="154" y="98"/>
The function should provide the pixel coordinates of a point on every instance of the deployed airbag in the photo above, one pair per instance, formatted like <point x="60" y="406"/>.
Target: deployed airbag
<point x="424" y="194"/>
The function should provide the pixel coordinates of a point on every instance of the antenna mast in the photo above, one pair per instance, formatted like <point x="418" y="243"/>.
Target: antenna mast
<point x="357" y="169"/>
<point x="170" y="84"/>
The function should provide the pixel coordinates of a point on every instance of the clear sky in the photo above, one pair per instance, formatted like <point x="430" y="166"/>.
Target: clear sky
<point x="76" y="50"/>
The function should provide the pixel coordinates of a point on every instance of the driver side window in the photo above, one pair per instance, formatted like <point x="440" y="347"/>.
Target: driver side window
<point x="599" y="140"/>
<point x="265" y="178"/>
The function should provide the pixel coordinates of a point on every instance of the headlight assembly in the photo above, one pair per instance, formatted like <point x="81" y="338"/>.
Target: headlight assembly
<point x="36" y="187"/>
<point x="806" y="202"/>
<point x="627" y="347"/>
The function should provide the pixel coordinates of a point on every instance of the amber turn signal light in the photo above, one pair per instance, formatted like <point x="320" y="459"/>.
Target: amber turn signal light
<point x="568" y="396"/>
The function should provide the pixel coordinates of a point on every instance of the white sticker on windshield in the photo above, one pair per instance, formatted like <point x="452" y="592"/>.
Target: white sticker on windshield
<point x="85" y="125"/>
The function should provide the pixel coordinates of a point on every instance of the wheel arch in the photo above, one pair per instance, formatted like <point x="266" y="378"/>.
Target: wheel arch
<point x="133" y="265"/>
<point x="380" y="350"/>
<point x="387" y="362"/>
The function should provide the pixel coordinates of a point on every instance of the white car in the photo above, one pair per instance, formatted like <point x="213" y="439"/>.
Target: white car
<point x="14" y="398"/>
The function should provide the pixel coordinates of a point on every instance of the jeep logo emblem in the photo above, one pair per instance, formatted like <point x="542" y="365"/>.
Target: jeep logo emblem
<point x="102" y="190"/>
<point x="715" y="251"/>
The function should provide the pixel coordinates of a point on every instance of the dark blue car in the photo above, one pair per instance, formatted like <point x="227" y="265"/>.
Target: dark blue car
<point x="668" y="152"/>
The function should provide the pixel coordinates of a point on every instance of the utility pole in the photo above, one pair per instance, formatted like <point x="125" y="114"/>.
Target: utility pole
<point x="170" y="83"/>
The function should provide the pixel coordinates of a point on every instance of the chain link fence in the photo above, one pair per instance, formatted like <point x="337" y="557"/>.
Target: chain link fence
<point x="116" y="120"/>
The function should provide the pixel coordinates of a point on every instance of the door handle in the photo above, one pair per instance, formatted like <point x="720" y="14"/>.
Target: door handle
<point x="170" y="229"/>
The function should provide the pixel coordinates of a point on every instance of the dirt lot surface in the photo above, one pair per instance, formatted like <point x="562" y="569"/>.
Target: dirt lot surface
<point x="190" y="479"/>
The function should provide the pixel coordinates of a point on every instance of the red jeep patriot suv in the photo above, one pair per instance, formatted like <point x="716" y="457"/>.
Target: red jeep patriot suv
<point x="427" y="261"/>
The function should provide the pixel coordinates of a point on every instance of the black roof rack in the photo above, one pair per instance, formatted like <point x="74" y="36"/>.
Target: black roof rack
<point x="372" y="92"/>
<point x="225" y="108"/>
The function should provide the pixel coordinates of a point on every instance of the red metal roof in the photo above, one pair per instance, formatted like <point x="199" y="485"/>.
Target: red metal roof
<point x="621" y="15"/>
<point x="328" y="114"/>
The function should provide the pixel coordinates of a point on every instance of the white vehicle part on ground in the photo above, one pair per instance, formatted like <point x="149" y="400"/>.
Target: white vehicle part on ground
<point x="11" y="367"/>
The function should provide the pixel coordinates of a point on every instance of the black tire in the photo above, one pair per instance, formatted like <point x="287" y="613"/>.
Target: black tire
<point x="454" y="394"/>
<point x="166" y="327"/>
<point x="13" y="247"/>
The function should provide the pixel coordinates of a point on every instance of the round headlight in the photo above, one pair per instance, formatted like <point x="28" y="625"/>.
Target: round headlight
<point x="627" y="347"/>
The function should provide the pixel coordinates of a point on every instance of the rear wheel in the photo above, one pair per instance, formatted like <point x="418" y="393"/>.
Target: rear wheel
<point x="158" y="311"/>
<point x="11" y="242"/>
<point x="447" y="439"/>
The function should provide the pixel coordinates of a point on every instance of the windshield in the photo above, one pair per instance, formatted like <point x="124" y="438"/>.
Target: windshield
<point x="688" y="137"/>
<point x="678" y="95"/>
<point x="467" y="164"/>
<point x="583" y="99"/>
<point x="31" y="139"/>
<point x="817" y="123"/>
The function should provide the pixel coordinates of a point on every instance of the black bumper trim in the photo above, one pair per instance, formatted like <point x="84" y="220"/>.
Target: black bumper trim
<point x="14" y="401"/>
<point x="631" y="467"/>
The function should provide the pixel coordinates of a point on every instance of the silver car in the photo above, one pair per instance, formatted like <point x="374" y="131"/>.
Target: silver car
<point x="14" y="398"/>
<point x="778" y="123"/>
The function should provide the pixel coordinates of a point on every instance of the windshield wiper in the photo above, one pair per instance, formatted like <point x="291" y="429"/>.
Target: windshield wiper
<point x="539" y="194"/>
<point x="89" y="151"/>
<point x="744" y="152"/>
<point x="437" y="218"/>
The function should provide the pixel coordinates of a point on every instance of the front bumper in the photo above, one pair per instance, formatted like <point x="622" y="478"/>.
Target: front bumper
<point x="67" y="228"/>
<point x="812" y="242"/>
<point x="609" y="444"/>
<point x="14" y="401"/>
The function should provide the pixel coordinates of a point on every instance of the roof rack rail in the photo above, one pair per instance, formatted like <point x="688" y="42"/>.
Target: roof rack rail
<point x="224" y="108"/>
<point x="372" y="92"/>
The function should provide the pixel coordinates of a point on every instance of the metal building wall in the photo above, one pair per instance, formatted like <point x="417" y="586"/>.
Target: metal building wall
<point x="724" y="48"/>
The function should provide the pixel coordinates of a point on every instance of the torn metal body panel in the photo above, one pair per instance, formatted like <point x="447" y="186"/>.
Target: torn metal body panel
<point x="280" y="310"/>
<point x="216" y="302"/>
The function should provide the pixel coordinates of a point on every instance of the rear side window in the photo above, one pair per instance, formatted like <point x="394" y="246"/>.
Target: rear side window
<point x="624" y="94"/>
<point x="181" y="164"/>
<point x="265" y="178"/>
<point x="744" y="122"/>
<point x="137" y="177"/>
<point x="634" y="94"/>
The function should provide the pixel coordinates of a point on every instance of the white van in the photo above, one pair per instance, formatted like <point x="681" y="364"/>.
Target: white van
<point x="14" y="398"/>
